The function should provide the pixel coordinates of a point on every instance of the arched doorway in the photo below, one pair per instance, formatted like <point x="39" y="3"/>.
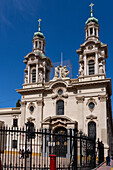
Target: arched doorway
<point x="60" y="140"/>
<point x="92" y="130"/>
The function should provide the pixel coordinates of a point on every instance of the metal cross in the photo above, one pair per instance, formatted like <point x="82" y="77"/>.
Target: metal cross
<point x="39" y="21"/>
<point x="39" y="24"/>
<point x="91" y="5"/>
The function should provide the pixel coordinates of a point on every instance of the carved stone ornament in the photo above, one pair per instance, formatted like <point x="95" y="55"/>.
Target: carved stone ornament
<point x="23" y="103"/>
<point x="91" y="103"/>
<point x="91" y="117"/>
<point x="60" y="72"/>
<point x="80" y="99"/>
<point x="31" y="107"/>
<point x="91" y="100"/>
<point x="40" y="103"/>
<point x="65" y="95"/>
<point x="54" y="96"/>
<point x="102" y="98"/>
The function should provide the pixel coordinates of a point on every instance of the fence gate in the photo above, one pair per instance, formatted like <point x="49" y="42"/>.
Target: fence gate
<point x="100" y="152"/>
<point x="27" y="149"/>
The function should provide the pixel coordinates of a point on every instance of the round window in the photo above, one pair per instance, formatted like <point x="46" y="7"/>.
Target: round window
<point x="91" y="105"/>
<point x="60" y="92"/>
<point x="31" y="108"/>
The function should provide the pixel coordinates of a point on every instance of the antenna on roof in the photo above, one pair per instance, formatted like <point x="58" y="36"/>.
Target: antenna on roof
<point x="61" y="58"/>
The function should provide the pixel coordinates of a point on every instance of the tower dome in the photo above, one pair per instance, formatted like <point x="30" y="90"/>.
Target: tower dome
<point x="92" y="26"/>
<point x="39" y="41"/>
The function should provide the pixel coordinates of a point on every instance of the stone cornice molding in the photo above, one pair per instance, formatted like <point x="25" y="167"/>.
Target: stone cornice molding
<point x="102" y="98"/>
<point x="80" y="99"/>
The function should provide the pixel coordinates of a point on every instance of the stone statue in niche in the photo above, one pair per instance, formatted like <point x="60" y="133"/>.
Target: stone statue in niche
<point x="60" y="72"/>
<point x="101" y="70"/>
<point x="26" y="78"/>
<point x="81" y="70"/>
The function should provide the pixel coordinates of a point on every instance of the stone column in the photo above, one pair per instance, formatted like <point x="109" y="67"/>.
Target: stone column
<point x="85" y="65"/>
<point x="96" y="63"/>
<point x="37" y="72"/>
<point x="93" y="31"/>
<point x="28" y="73"/>
<point x="86" y="34"/>
<point x="97" y="30"/>
<point x="89" y="32"/>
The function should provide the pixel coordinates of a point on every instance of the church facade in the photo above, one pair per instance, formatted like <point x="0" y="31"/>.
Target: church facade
<point x="63" y="103"/>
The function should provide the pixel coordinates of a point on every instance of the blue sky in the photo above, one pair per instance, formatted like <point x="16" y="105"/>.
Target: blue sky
<point x="63" y="23"/>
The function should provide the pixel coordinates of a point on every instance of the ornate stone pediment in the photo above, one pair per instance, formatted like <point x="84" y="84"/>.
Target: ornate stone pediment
<point x="56" y="121"/>
<point x="91" y="117"/>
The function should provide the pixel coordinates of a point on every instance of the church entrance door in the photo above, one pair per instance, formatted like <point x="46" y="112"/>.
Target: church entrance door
<point x="60" y="140"/>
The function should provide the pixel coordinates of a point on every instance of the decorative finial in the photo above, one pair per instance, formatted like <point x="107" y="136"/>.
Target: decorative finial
<point x="39" y="24"/>
<point x="91" y="5"/>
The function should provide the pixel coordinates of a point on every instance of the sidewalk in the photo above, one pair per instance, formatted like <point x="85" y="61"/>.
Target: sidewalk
<point x="104" y="167"/>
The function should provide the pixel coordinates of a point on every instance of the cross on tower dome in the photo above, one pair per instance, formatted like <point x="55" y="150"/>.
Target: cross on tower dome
<point x="91" y="5"/>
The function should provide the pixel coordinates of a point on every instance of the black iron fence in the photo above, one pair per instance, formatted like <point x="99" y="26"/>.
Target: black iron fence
<point x="29" y="149"/>
<point x="100" y="152"/>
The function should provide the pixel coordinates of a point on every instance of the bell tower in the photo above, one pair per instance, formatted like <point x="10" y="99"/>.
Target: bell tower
<point x="38" y="66"/>
<point x="93" y="53"/>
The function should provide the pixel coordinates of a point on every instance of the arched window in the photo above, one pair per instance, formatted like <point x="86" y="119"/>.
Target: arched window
<point x="91" y="67"/>
<point x="33" y="75"/>
<point x="92" y="130"/>
<point x="60" y="107"/>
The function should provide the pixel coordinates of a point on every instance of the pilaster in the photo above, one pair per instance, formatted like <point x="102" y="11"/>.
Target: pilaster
<point x="23" y="113"/>
<point x="28" y="73"/>
<point x="85" y="65"/>
<point x="36" y="72"/>
<point x="96" y="63"/>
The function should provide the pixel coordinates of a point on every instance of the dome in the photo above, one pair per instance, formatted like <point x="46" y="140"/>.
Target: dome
<point x="39" y="34"/>
<point x="93" y="19"/>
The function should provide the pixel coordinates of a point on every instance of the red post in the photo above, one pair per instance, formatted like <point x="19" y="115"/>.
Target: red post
<point x="0" y="163"/>
<point x="52" y="162"/>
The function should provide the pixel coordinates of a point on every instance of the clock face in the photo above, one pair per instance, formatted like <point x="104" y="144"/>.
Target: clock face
<point x="31" y="108"/>
<point x="60" y="92"/>
<point x="91" y="105"/>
